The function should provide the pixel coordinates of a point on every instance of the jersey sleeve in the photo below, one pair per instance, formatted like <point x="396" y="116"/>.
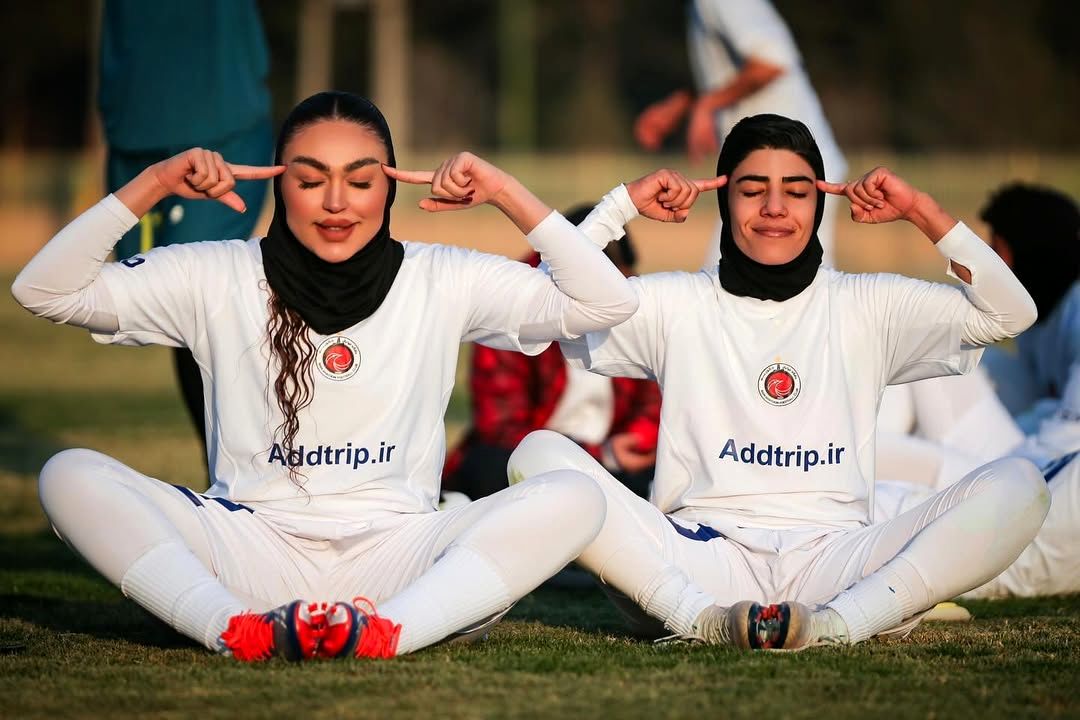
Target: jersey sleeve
<point x="753" y="28"/>
<point x="932" y="329"/>
<point x="633" y="349"/>
<point x="159" y="294"/>
<point x="607" y="221"/>
<point x="512" y="306"/>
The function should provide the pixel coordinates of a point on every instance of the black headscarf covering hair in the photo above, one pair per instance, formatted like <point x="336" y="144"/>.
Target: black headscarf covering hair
<point x="331" y="296"/>
<point x="739" y="274"/>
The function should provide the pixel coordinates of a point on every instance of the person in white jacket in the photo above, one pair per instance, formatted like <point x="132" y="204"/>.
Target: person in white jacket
<point x="759" y="530"/>
<point x="328" y="351"/>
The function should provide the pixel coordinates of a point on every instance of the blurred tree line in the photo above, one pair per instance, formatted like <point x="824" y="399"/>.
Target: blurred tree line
<point x="903" y="74"/>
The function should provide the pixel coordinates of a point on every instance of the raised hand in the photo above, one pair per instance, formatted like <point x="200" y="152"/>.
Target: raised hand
<point x="879" y="196"/>
<point x="667" y="195"/>
<point x="462" y="181"/>
<point x="630" y="458"/>
<point x="660" y="119"/>
<point x="203" y="174"/>
<point x="465" y="180"/>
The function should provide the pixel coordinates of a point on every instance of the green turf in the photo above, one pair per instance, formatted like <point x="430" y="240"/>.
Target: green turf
<point x="71" y="646"/>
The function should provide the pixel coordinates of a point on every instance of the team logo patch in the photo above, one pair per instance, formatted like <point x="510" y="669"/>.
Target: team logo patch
<point x="779" y="384"/>
<point x="338" y="358"/>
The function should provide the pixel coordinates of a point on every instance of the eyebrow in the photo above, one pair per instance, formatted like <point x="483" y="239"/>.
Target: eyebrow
<point x="785" y="179"/>
<point x="323" y="167"/>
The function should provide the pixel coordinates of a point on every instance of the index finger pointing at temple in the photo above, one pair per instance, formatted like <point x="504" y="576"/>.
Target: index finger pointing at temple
<point x="832" y="188"/>
<point x="255" y="172"/>
<point x="414" y="177"/>
<point x="711" y="183"/>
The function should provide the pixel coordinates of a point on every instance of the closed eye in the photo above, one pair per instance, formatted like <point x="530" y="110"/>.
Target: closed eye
<point x="306" y="185"/>
<point x="361" y="185"/>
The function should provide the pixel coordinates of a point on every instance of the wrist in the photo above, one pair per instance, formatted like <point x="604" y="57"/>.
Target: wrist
<point x="143" y="192"/>
<point x="711" y="102"/>
<point x="680" y="100"/>
<point x="523" y="208"/>
<point x="928" y="217"/>
<point x="507" y="196"/>
<point x="608" y="459"/>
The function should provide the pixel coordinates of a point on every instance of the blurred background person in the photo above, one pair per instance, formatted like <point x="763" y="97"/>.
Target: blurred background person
<point x="158" y="61"/>
<point x="745" y="62"/>
<point x="615" y="419"/>
<point x="1024" y="402"/>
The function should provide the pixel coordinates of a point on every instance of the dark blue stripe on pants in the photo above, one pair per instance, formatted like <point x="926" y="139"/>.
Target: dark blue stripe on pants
<point x="1053" y="467"/>
<point x="197" y="500"/>
<point x="704" y="533"/>
<point x="189" y="495"/>
<point x="232" y="507"/>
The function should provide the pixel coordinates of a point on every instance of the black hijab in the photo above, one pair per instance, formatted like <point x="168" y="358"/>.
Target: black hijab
<point x="331" y="296"/>
<point x="739" y="274"/>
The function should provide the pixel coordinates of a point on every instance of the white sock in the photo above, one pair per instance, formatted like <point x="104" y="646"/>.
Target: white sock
<point x="881" y="600"/>
<point x="674" y="600"/>
<point x="170" y="582"/>
<point x="462" y="588"/>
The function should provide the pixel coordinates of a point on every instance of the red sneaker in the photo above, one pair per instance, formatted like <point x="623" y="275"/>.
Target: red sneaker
<point x="293" y="631"/>
<point x="378" y="636"/>
<point x="304" y="630"/>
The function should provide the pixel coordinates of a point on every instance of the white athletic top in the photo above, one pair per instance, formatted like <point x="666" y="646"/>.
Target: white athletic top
<point x="723" y="34"/>
<point x="770" y="407"/>
<point x="372" y="441"/>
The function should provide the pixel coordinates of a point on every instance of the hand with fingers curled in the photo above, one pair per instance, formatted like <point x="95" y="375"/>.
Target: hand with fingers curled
<point x="667" y="195"/>
<point x="462" y="181"/>
<point x="879" y="196"/>
<point x="204" y="174"/>
<point x="465" y="180"/>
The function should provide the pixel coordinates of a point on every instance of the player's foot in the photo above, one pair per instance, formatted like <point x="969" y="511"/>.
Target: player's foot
<point x="304" y="630"/>
<point x="751" y="626"/>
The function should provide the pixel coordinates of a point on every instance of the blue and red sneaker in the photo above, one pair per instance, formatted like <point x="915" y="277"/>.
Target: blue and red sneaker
<point x="303" y="630"/>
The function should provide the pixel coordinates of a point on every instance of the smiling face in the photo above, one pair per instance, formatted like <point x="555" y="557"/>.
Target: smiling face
<point x="334" y="188"/>
<point x="772" y="201"/>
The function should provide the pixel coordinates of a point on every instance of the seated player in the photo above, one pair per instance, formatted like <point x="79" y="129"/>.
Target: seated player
<point x="614" y="419"/>
<point x="772" y="369"/>
<point x="328" y="351"/>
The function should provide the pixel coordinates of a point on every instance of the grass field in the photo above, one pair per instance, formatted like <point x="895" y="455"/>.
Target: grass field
<point x="71" y="646"/>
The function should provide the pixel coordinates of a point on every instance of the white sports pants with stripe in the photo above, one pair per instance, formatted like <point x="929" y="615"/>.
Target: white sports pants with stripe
<point x="195" y="561"/>
<point x="954" y="541"/>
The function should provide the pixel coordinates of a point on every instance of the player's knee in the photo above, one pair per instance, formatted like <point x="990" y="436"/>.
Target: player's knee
<point x="574" y="503"/>
<point x="1022" y="488"/>
<point x="64" y="479"/>
<point x="542" y="451"/>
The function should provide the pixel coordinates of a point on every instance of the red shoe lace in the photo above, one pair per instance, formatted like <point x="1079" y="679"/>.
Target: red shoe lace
<point x="379" y="637"/>
<point x="250" y="637"/>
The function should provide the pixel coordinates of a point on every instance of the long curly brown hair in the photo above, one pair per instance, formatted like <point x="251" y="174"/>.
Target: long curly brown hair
<point x="293" y="351"/>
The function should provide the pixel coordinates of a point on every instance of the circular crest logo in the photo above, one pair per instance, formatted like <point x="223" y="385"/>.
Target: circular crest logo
<point x="338" y="358"/>
<point x="779" y="384"/>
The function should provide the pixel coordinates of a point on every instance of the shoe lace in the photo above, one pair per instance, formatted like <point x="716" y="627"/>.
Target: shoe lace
<point x="249" y="637"/>
<point x="379" y="636"/>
